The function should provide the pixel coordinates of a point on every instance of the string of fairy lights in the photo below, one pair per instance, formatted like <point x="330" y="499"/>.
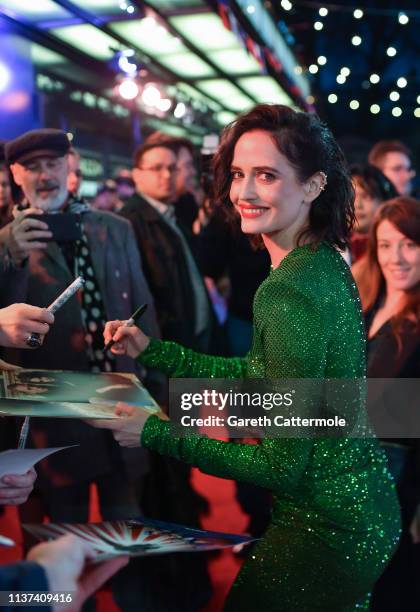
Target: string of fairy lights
<point x="320" y="20"/>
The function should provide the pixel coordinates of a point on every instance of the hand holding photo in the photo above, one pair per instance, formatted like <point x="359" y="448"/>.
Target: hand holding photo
<point x="137" y="538"/>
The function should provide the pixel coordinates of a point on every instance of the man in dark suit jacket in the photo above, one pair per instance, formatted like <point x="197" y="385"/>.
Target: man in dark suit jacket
<point x="38" y="270"/>
<point x="182" y="304"/>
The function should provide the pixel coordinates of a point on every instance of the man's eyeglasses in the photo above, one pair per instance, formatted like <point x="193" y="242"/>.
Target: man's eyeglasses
<point x="172" y="169"/>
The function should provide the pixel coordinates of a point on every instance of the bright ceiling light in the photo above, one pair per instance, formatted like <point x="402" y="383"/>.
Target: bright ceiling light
<point x="354" y="104"/>
<point x="313" y="69"/>
<point x="151" y="95"/>
<point x="180" y="110"/>
<point x="358" y="13"/>
<point x="356" y="41"/>
<point x="403" y="18"/>
<point x="323" y="12"/>
<point x="391" y="51"/>
<point x="250" y="9"/>
<point x="341" y="79"/>
<point x="128" y="89"/>
<point x="417" y="112"/>
<point x="345" y="71"/>
<point x="402" y="82"/>
<point x="394" y="96"/>
<point x="374" y="78"/>
<point x="375" y="109"/>
<point x="164" y="104"/>
<point x="318" y="25"/>
<point x="4" y="76"/>
<point x="332" y="98"/>
<point x="286" y="5"/>
<point x="322" y="60"/>
<point x="396" y="111"/>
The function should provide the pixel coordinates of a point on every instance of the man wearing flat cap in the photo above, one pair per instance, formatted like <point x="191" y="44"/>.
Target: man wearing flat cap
<point x="106" y="255"/>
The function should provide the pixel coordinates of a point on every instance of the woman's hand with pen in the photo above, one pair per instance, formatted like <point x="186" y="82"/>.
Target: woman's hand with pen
<point x="129" y="340"/>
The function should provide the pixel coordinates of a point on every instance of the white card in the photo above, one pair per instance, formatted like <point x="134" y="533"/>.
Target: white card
<point x="6" y="541"/>
<point x="19" y="461"/>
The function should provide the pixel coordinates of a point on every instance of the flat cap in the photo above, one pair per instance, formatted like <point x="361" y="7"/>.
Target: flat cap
<point x="37" y="143"/>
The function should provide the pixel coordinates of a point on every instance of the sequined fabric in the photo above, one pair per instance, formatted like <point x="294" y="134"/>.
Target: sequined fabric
<point x="335" y="519"/>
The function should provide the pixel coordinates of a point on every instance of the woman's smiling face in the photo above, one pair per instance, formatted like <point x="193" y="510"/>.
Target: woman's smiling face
<point x="265" y="189"/>
<point x="398" y="257"/>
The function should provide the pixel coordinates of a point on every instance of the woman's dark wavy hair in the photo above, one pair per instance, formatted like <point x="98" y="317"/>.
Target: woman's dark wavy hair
<point x="309" y="147"/>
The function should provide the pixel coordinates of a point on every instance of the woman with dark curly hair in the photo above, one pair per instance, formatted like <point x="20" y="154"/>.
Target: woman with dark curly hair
<point x="335" y="519"/>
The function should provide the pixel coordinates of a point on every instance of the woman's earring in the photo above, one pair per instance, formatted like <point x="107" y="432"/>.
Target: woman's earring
<point x="324" y="180"/>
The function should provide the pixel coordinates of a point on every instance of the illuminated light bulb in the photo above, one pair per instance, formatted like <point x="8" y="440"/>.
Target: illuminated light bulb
<point x="394" y="96"/>
<point x="418" y="99"/>
<point x="402" y="82"/>
<point x="286" y="5"/>
<point x="341" y="79"/>
<point x="130" y="9"/>
<point x="345" y="71"/>
<point x="164" y="104"/>
<point x="313" y="69"/>
<point x="375" y="109"/>
<point x="354" y="104"/>
<point x="403" y="18"/>
<point x="151" y="95"/>
<point x="356" y="41"/>
<point x="332" y="98"/>
<point x="4" y="76"/>
<point x="358" y="13"/>
<point x="180" y="110"/>
<point x="417" y="112"/>
<point x="391" y="51"/>
<point x="374" y="78"/>
<point x="396" y="111"/>
<point x="323" y="12"/>
<point x="128" y="89"/>
<point x="322" y="60"/>
<point x="250" y="9"/>
<point x="318" y="25"/>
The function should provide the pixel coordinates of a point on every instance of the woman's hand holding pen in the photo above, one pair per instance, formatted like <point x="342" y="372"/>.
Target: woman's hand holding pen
<point x="129" y="341"/>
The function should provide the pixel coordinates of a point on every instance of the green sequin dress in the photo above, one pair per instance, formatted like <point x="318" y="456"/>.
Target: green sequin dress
<point x="335" y="519"/>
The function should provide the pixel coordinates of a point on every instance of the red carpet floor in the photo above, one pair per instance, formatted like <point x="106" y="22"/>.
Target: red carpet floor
<point x="225" y="515"/>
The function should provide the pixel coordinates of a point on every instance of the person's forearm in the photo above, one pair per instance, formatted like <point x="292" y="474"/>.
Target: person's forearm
<point x="180" y="362"/>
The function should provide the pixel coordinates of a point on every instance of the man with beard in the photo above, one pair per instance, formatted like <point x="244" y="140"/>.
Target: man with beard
<point x="106" y="256"/>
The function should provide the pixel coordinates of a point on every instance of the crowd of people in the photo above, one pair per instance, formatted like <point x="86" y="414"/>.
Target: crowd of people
<point x="274" y="239"/>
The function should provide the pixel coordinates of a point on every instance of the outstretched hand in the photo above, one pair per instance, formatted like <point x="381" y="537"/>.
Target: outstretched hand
<point x="128" y="428"/>
<point x="65" y="563"/>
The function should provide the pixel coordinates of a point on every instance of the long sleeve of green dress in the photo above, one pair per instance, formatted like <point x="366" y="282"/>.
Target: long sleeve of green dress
<point x="335" y="518"/>
<point x="279" y="463"/>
